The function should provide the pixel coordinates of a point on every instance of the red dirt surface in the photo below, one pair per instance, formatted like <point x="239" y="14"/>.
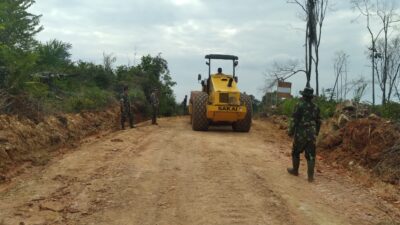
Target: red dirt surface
<point x="26" y="141"/>
<point x="364" y="142"/>
<point x="171" y="175"/>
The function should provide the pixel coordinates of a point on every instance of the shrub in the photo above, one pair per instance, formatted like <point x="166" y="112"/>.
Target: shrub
<point x="36" y="89"/>
<point x="287" y="106"/>
<point x="327" y="108"/>
<point x="390" y="110"/>
<point x="90" y="98"/>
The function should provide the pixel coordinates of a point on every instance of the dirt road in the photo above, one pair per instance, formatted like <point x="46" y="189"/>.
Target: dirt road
<point x="171" y="175"/>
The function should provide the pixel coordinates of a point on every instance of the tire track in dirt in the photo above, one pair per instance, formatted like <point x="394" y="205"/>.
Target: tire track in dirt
<point x="69" y="194"/>
<point x="234" y="203"/>
<point x="169" y="174"/>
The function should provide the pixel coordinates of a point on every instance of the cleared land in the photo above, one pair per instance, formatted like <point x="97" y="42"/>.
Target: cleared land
<point x="170" y="175"/>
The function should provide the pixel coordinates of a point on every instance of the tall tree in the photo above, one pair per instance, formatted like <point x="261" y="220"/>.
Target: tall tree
<point x="315" y="13"/>
<point x="17" y="25"/>
<point x="382" y="12"/>
<point x="387" y="71"/>
<point x="340" y="69"/>
<point x="281" y="71"/>
<point x="388" y="17"/>
<point x="321" y="11"/>
<point x="54" y="55"/>
<point x="108" y="61"/>
<point x="17" y="30"/>
<point x="155" y="74"/>
<point x="311" y="36"/>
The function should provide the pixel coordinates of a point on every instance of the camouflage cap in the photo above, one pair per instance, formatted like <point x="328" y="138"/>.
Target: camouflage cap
<point x="307" y="92"/>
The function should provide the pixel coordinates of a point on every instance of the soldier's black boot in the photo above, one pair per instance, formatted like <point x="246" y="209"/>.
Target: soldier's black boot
<point x="122" y="121"/>
<point x="295" y="170"/>
<point x="310" y="170"/>
<point x="131" y="119"/>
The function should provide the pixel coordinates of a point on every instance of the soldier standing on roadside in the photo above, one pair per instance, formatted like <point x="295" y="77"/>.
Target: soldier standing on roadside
<point x="126" y="111"/>
<point x="305" y="126"/>
<point x="154" y="104"/>
<point x="184" y="105"/>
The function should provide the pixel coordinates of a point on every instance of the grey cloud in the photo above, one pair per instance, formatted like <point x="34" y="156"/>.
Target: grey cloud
<point x="258" y="31"/>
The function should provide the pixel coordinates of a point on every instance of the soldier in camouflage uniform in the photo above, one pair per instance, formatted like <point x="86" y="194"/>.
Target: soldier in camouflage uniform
<point x="126" y="111"/>
<point x="154" y="105"/>
<point x="184" y="105"/>
<point x="305" y="126"/>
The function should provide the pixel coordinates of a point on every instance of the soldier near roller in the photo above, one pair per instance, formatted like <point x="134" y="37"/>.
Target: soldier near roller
<point x="184" y="105"/>
<point x="304" y="127"/>
<point x="154" y="105"/>
<point x="126" y="109"/>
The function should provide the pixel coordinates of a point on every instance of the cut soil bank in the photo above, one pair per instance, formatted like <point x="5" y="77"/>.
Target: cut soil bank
<point x="23" y="140"/>
<point x="369" y="142"/>
<point x="372" y="143"/>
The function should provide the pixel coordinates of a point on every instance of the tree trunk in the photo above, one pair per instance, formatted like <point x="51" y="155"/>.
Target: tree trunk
<point x="397" y="92"/>
<point x="312" y="36"/>
<point x="393" y="82"/>
<point x="310" y="55"/>
<point x="316" y="71"/>
<point x="335" y="86"/>
<point x="385" y="65"/>
<point x="373" y="72"/>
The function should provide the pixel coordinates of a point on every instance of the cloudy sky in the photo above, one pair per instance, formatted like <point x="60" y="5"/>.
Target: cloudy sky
<point x="258" y="31"/>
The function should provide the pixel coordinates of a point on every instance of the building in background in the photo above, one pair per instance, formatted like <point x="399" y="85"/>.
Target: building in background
<point x="284" y="90"/>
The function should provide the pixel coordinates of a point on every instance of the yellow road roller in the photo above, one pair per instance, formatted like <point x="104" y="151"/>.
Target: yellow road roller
<point x="220" y="102"/>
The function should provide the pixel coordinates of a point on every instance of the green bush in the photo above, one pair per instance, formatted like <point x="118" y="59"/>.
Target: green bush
<point x="138" y="99"/>
<point x="91" y="98"/>
<point x="42" y="77"/>
<point x="77" y="104"/>
<point x="390" y="110"/>
<point x="36" y="89"/>
<point x="287" y="106"/>
<point x="327" y="108"/>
